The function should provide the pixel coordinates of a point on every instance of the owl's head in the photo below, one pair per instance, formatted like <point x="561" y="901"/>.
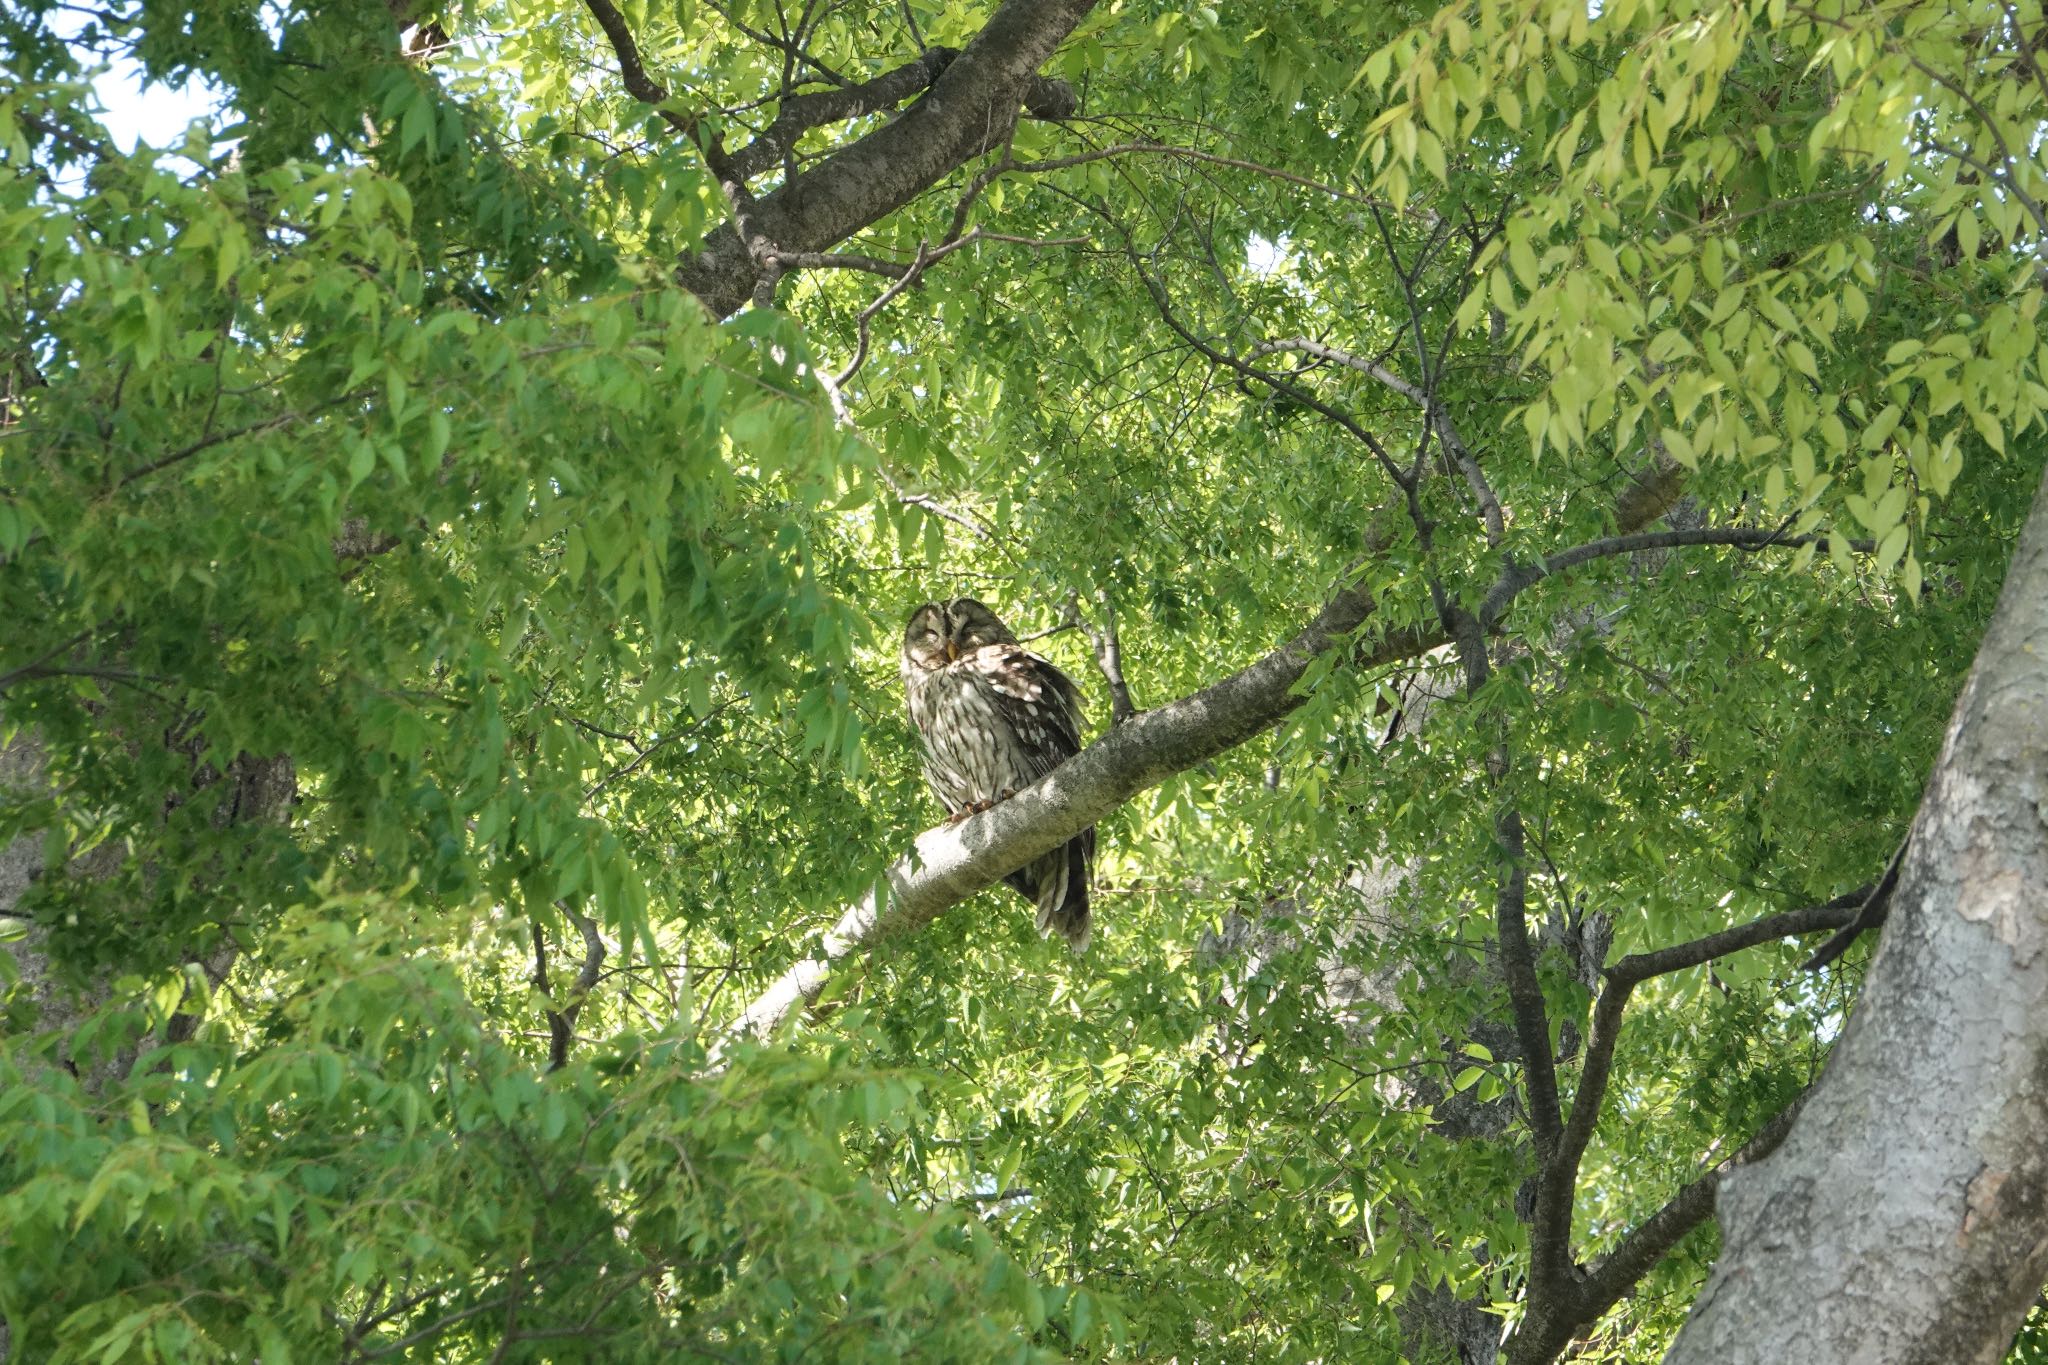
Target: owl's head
<point x="940" y="632"/>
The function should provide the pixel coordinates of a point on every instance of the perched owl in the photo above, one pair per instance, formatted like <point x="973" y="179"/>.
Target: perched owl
<point x="995" y="718"/>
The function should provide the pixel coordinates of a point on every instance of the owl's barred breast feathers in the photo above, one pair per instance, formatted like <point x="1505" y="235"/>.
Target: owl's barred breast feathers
<point x="995" y="718"/>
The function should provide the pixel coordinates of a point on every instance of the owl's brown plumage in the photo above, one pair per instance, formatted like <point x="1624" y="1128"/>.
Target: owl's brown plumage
<point x="995" y="718"/>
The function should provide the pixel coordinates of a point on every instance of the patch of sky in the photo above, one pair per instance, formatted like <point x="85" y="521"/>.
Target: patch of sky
<point x="1267" y="256"/>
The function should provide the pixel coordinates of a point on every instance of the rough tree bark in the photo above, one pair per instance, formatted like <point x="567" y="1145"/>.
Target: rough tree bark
<point x="968" y="109"/>
<point x="1905" y="1218"/>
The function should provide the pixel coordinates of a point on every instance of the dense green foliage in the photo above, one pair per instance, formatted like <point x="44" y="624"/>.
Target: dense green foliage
<point x="365" y="424"/>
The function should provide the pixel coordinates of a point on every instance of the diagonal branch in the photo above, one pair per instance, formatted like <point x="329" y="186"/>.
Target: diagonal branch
<point x="1044" y="97"/>
<point x="1520" y="576"/>
<point x="632" y="70"/>
<point x="1646" y="1245"/>
<point x="1549" y="1327"/>
<point x="969" y="108"/>
<point x="1560" y="1180"/>
<point x="952" y="862"/>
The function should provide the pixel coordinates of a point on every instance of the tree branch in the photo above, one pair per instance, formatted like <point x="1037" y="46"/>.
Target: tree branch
<point x="562" y="1022"/>
<point x="1551" y="1323"/>
<point x="953" y="861"/>
<point x="1558" y="1193"/>
<point x="1520" y="576"/>
<point x="969" y="108"/>
<point x="1632" y="1258"/>
<point x="633" y="71"/>
<point x="1109" y="658"/>
<point x="1187" y="154"/>
<point x="1044" y="97"/>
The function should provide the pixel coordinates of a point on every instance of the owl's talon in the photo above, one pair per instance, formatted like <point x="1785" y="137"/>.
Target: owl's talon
<point x="974" y="808"/>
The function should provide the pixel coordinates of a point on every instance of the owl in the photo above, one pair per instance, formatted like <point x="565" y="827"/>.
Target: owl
<point x="995" y="718"/>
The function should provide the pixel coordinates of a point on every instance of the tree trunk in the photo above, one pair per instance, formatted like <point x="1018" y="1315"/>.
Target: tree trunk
<point x="1905" y="1219"/>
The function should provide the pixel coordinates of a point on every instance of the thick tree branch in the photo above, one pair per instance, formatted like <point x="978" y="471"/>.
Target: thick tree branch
<point x="968" y="108"/>
<point x="1525" y="995"/>
<point x="1044" y="97"/>
<point x="799" y="114"/>
<point x="952" y="862"/>
<point x="1551" y="1324"/>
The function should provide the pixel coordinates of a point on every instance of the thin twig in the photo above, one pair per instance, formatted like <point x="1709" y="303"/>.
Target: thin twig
<point x="1520" y="576"/>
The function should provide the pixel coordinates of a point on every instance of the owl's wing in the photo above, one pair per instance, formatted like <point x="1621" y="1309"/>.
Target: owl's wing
<point x="1040" y="704"/>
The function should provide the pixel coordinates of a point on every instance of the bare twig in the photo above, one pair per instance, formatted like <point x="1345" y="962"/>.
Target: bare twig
<point x="283" y="419"/>
<point x="867" y="317"/>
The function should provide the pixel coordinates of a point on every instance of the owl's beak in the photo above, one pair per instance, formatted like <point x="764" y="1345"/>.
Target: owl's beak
<point x="952" y="651"/>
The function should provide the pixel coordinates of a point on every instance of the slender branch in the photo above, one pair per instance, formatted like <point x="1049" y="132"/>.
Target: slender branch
<point x="633" y="71"/>
<point x="896" y="270"/>
<point x="839" y="260"/>
<point x="283" y="419"/>
<point x="1520" y="576"/>
<point x="649" y="751"/>
<point x="1266" y="377"/>
<point x="867" y="317"/>
<point x="907" y="276"/>
<point x="562" y="1022"/>
<point x="34" y="667"/>
<point x="793" y="50"/>
<point x="1870" y="913"/>
<point x="1322" y="351"/>
<point x="1560" y="1180"/>
<point x="1642" y="1248"/>
<point x="1637" y="968"/>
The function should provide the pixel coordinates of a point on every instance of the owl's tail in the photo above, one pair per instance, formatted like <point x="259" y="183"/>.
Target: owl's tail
<point x="1058" y="883"/>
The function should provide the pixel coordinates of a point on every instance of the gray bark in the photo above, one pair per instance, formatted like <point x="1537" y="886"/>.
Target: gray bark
<point x="1905" y="1218"/>
<point x="968" y="109"/>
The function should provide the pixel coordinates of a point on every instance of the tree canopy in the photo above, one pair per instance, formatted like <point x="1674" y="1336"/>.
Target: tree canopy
<point x="1522" y="484"/>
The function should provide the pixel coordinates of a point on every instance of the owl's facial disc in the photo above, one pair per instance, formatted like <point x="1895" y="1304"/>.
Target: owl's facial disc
<point x="924" y="639"/>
